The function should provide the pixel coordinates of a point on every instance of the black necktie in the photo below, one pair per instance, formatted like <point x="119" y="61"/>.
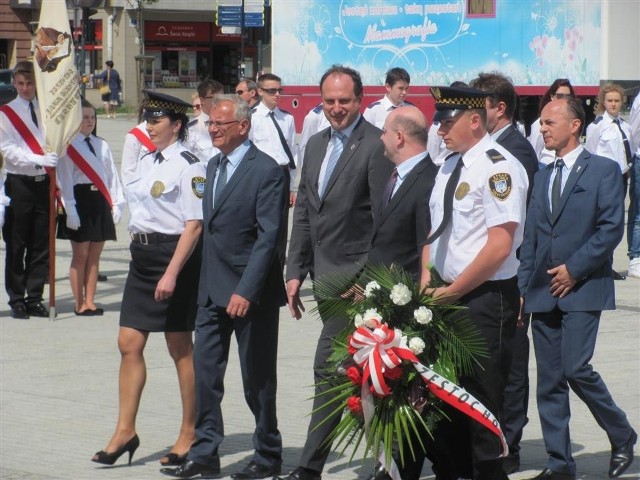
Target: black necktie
<point x="449" y="191"/>
<point x="88" y="140"/>
<point x="285" y="145"/>
<point x="159" y="158"/>
<point x="625" y="141"/>
<point x="556" y="188"/>
<point x="388" y="190"/>
<point x="222" y="178"/>
<point x="33" y="114"/>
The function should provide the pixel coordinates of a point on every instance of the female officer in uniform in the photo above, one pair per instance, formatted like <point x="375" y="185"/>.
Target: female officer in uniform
<point x="165" y="200"/>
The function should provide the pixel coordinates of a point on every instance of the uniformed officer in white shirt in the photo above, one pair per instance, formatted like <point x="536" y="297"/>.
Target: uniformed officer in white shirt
<point x="198" y="139"/>
<point x="476" y="227"/>
<point x="397" y="86"/>
<point x="136" y="145"/>
<point x="26" y="228"/>
<point x="314" y="121"/>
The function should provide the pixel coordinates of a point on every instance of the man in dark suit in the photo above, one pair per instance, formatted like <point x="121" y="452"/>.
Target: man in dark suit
<point x="574" y="222"/>
<point x="341" y="183"/>
<point x="241" y="290"/>
<point x="501" y="106"/>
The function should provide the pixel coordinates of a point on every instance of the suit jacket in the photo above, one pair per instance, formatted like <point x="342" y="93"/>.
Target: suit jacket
<point x="333" y="233"/>
<point x="240" y="234"/>
<point x="519" y="147"/>
<point x="583" y="234"/>
<point x="401" y="228"/>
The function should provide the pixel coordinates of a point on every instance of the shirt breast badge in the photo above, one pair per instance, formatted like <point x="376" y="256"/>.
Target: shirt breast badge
<point x="197" y="185"/>
<point x="462" y="190"/>
<point x="500" y="185"/>
<point x="157" y="188"/>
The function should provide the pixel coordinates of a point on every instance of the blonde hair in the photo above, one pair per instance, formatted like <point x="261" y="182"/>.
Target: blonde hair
<point x="608" y="88"/>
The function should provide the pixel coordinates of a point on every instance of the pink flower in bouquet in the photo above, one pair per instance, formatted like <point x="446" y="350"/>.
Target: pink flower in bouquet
<point x="354" y="404"/>
<point x="354" y="375"/>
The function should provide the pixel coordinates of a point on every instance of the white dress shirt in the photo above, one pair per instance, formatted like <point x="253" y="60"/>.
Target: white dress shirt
<point x="604" y="139"/>
<point x="376" y="113"/>
<point x="18" y="157"/>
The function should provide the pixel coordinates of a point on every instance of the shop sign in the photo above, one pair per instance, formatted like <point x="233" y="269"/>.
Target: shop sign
<point x="177" y="31"/>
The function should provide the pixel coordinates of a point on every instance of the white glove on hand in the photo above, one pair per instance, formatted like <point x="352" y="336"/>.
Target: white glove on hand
<point x="73" y="219"/>
<point x="116" y="213"/>
<point x="48" y="160"/>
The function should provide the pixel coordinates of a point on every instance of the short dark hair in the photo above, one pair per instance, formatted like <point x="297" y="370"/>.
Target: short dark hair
<point x="500" y="89"/>
<point x="206" y="85"/>
<point x="557" y="83"/>
<point x="265" y="77"/>
<point x="23" y="68"/>
<point x="341" y="69"/>
<point x="109" y="63"/>
<point x="184" y="131"/>
<point x="397" y="74"/>
<point x="576" y="110"/>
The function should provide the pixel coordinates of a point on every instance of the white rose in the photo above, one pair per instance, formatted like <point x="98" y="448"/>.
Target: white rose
<point x="358" y="320"/>
<point x="400" y="294"/>
<point x="416" y="345"/>
<point x="370" y="288"/>
<point x="423" y="315"/>
<point x="371" y="317"/>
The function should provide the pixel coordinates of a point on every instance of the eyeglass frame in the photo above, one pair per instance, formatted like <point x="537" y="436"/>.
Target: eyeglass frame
<point x="197" y="107"/>
<point x="219" y="125"/>
<point x="240" y="92"/>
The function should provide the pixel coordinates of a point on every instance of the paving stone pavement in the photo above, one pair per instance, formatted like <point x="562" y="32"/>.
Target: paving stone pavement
<point x="58" y="384"/>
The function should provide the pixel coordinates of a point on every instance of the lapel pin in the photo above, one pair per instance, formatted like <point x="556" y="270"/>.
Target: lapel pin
<point x="579" y="167"/>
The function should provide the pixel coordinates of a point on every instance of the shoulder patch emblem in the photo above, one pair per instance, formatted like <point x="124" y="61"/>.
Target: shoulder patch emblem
<point x="197" y="186"/>
<point x="500" y="185"/>
<point x="189" y="157"/>
<point x="374" y="104"/>
<point x="317" y="108"/>
<point x="495" y="155"/>
<point x="598" y="119"/>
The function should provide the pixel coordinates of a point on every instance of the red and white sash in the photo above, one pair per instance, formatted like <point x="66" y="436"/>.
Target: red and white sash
<point x="143" y="139"/>
<point x="91" y="174"/>
<point x="24" y="132"/>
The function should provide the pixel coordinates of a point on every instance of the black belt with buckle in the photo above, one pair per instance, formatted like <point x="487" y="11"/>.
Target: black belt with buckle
<point x="29" y="178"/>
<point x="148" y="238"/>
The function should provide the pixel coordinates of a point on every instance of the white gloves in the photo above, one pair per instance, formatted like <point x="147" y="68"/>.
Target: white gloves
<point x="73" y="220"/>
<point x="116" y="213"/>
<point x="47" y="160"/>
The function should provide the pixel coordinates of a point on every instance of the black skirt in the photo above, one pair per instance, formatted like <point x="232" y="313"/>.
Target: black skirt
<point x="140" y="310"/>
<point x="96" y="221"/>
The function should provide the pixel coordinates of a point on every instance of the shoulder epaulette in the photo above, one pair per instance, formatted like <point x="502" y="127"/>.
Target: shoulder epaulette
<point x="374" y="104"/>
<point x="409" y="103"/>
<point x="189" y="157"/>
<point x="191" y="123"/>
<point x="598" y="119"/>
<point x="495" y="155"/>
<point x="253" y="110"/>
<point x="317" y="108"/>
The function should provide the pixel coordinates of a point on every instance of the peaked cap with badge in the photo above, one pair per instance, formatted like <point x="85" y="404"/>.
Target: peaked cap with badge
<point x="158" y="105"/>
<point x="451" y="101"/>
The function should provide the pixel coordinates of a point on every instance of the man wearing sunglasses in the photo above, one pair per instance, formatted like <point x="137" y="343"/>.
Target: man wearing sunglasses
<point x="273" y="131"/>
<point x="198" y="140"/>
<point x="247" y="89"/>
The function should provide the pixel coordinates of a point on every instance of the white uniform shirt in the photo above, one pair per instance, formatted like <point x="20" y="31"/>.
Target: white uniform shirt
<point x="163" y="196"/>
<point x="545" y="156"/>
<point x="604" y="139"/>
<point x="634" y="123"/>
<point x="132" y="151"/>
<point x="18" y="157"/>
<point x="436" y="147"/>
<point x="376" y="113"/>
<point x="199" y="141"/>
<point x="496" y="195"/>
<point x="69" y="174"/>
<point x="314" y="122"/>
<point x="264" y="135"/>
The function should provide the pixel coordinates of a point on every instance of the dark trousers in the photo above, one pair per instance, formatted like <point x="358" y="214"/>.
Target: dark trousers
<point x="316" y="450"/>
<point x="257" y="337"/>
<point x="564" y="343"/>
<point x="284" y="229"/>
<point x="26" y="234"/>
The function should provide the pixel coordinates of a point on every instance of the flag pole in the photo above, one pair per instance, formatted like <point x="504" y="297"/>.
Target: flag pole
<point x="52" y="244"/>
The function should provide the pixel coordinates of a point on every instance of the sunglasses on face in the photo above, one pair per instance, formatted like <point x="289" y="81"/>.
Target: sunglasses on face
<point x="273" y="91"/>
<point x="197" y="107"/>
<point x="240" y="92"/>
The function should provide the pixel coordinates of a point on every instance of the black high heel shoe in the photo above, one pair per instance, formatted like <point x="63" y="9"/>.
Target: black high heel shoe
<point x="110" y="458"/>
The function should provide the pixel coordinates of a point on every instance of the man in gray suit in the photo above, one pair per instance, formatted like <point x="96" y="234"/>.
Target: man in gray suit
<point x="241" y="290"/>
<point x="341" y="183"/>
<point x="574" y="222"/>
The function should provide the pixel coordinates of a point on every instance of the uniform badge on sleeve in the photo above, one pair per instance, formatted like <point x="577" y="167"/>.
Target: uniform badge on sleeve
<point x="500" y="185"/>
<point x="197" y="185"/>
<point x="157" y="188"/>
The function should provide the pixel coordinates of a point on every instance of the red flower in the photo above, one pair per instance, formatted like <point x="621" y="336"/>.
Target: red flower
<point x="354" y="375"/>
<point x="393" y="373"/>
<point x="350" y="348"/>
<point x="354" y="404"/>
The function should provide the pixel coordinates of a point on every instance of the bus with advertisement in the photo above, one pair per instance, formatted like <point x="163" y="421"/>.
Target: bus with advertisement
<point x="441" y="41"/>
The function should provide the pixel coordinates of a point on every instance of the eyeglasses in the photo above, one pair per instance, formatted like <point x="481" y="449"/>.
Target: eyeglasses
<point x="219" y="125"/>
<point x="272" y="91"/>
<point x="197" y="107"/>
<point x="240" y="92"/>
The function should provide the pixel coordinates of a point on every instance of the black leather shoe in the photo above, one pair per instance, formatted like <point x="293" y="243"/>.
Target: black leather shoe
<point x="302" y="474"/>
<point x="548" y="474"/>
<point x="622" y="457"/>
<point x="255" y="471"/>
<point x="102" y="278"/>
<point x="37" y="310"/>
<point x="618" y="276"/>
<point x="190" y="469"/>
<point x="379" y="473"/>
<point x="19" y="310"/>
<point x="511" y="463"/>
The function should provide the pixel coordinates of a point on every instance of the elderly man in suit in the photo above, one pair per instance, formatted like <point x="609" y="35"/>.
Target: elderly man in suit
<point x="574" y="222"/>
<point x="341" y="184"/>
<point x="241" y="290"/>
<point x="501" y="106"/>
